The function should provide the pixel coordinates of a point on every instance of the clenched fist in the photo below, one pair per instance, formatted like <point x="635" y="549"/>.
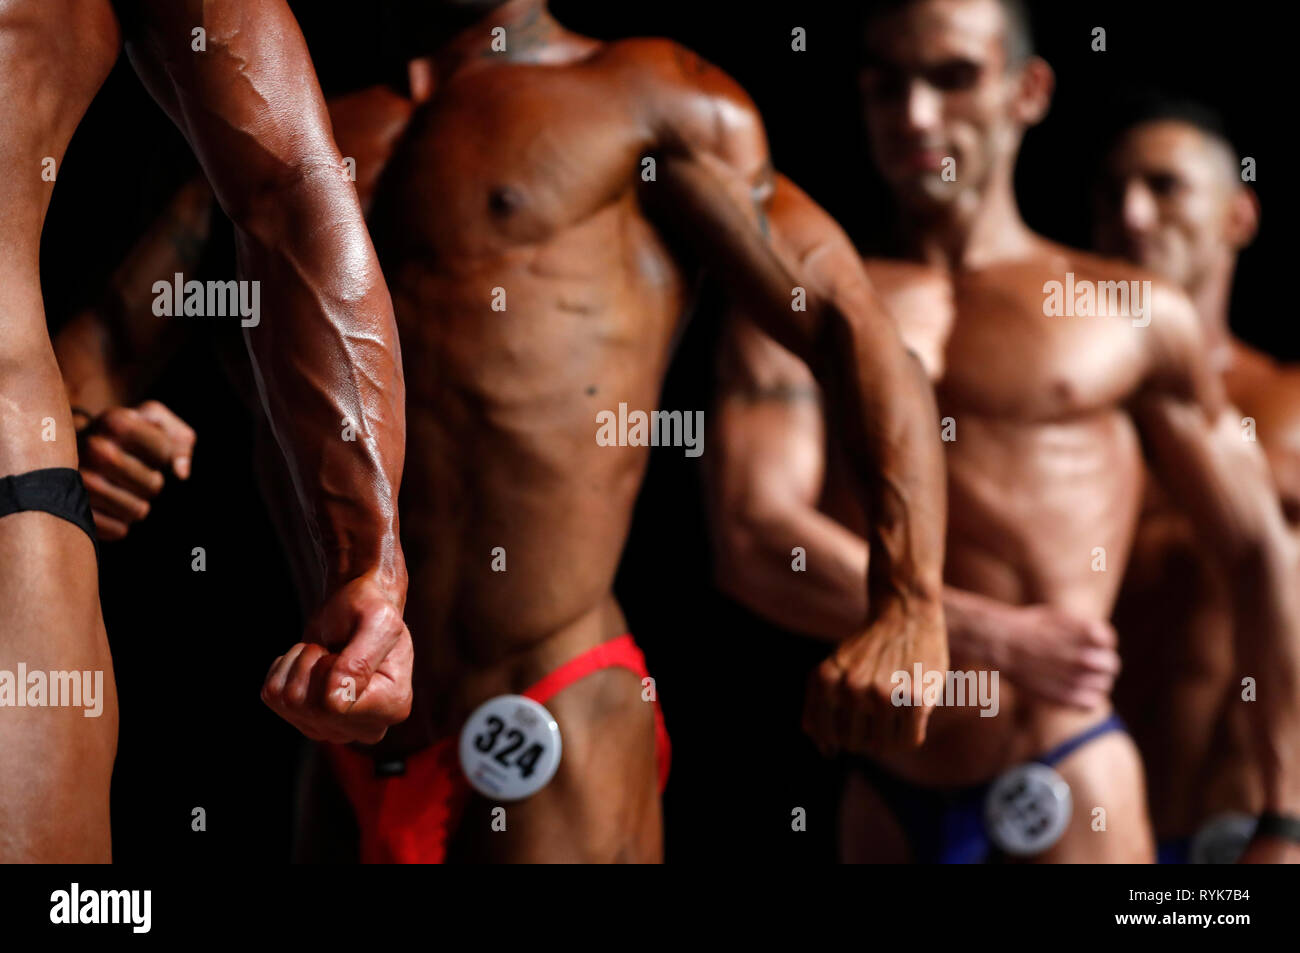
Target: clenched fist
<point x="849" y="704"/>
<point x="350" y="679"/>
<point x="125" y="454"/>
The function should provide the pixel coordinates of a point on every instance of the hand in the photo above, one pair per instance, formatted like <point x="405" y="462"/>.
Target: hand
<point x="849" y="703"/>
<point x="125" y="453"/>
<point x="1058" y="656"/>
<point x="354" y="694"/>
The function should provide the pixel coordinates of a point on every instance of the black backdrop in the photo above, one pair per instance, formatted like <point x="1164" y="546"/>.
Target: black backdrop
<point x="190" y="649"/>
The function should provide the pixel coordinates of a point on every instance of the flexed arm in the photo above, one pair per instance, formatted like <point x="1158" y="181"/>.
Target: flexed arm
<point x="796" y="275"/>
<point x="1195" y="442"/>
<point x="325" y="349"/>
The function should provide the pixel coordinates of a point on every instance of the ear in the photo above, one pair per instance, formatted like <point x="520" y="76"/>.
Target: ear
<point x="1033" y="92"/>
<point x="1243" y="217"/>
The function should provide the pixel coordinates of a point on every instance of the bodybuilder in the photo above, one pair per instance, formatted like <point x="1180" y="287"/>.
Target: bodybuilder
<point x="1171" y="198"/>
<point x="1048" y="419"/>
<point x="325" y="351"/>
<point x="540" y="220"/>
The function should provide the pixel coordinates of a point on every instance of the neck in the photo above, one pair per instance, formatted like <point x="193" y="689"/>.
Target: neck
<point x="531" y="34"/>
<point x="978" y="229"/>
<point x="1212" y="295"/>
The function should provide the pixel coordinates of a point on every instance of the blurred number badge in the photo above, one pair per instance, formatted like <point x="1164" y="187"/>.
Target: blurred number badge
<point x="509" y="748"/>
<point x="1027" y="809"/>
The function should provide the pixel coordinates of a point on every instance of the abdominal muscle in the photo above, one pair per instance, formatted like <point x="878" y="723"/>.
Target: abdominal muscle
<point x="1029" y="506"/>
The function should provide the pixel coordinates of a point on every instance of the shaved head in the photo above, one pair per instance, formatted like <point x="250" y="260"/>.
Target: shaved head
<point x="1151" y="107"/>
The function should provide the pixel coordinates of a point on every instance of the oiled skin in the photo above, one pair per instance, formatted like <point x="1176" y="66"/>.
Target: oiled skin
<point x="332" y="351"/>
<point x="502" y="411"/>
<point x="1046" y="467"/>
<point x="503" y="403"/>
<point x="523" y="172"/>
<point x="1174" y="616"/>
<point x="1061" y="400"/>
<point x="1170" y="197"/>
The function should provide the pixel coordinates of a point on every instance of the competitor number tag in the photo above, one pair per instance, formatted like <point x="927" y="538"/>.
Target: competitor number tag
<point x="509" y="748"/>
<point x="1027" y="809"/>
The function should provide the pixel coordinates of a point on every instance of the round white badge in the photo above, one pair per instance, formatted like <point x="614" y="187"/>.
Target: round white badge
<point x="1222" y="839"/>
<point x="1027" y="809"/>
<point x="509" y="748"/>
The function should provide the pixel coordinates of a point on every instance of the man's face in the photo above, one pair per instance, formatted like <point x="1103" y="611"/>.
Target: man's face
<point x="936" y="88"/>
<point x="1164" y="201"/>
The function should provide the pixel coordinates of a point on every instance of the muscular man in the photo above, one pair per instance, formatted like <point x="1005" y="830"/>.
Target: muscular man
<point x="1171" y="199"/>
<point x="324" y="352"/>
<point x="539" y="222"/>
<point x="1048" y="419"/>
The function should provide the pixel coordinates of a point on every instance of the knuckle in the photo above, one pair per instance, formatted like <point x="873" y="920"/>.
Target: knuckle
<point x="118" y="420"/>
<point x="387" y="616"/>
<point x="827" y="680"/>
<point x="860" y="685"/>
<point x="358" y="667"/>
<point x="101" y="449"/>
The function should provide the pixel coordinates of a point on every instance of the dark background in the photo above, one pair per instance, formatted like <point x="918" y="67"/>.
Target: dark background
<point x="191" y="649"/>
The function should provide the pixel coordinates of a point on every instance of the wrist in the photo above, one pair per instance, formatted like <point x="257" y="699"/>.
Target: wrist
<point x="386" y="574"/>
<point x="91" y="395"/>
<point x="973" y="631"/>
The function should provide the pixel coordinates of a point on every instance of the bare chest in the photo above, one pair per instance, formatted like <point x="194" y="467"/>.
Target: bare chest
<point x="506" y="160"/>
<point x="1006" y="358"/>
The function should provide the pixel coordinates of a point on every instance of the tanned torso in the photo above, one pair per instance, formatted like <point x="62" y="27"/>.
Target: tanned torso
<point x="523" y="178"/>
<point x="1181" y="688"/>
<point x="1046" y="467"/>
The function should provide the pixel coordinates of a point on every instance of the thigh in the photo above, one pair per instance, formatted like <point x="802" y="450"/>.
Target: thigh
<point x="1109" y="823"/>
<point x="603" y="804"/>
<point x="58" y="762"/>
